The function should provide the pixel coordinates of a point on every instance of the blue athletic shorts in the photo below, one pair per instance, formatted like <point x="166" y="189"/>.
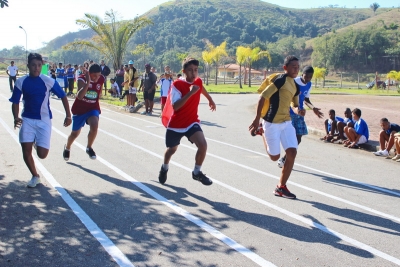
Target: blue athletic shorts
<point x="299" y="124"/>
<point x="78" y="121"/>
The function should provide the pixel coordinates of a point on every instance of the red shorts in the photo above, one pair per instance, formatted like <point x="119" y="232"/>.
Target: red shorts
<point x="163" y="100"/>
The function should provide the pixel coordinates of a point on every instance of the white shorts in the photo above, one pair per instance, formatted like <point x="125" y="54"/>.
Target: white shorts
<point x="132" y="90"/>
<point x="279" y="133"/>
<point x="38" y="131"/>
<point x="362" y="140"/>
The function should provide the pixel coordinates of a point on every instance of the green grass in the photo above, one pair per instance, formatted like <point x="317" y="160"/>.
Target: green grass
<point x="231" y="88"/>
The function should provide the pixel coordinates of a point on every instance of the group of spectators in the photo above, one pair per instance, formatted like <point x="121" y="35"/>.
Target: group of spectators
<point x="352" y="131"/>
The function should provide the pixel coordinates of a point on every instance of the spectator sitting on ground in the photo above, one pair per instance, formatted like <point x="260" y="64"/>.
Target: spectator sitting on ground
<point x="347" y="121"/>
<point x="114" y="91"/>
<point x="386" y="137"/>
<point x="331" y="126"/>
<point x="397" y="145"/>
<point x="359" y="134"/>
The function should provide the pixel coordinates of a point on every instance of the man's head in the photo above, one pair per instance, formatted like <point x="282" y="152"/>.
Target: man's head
<point x="12" y="63"/>
<point x="332" y="114"/>
<point x="153" y="70"/>
<point x="102" y="62"/>
<point x="35" y="62"/>
<point x="60" y="65"/>
<point x="69" y="66"/>
<point x="347" y="113"/>
<point x="76" y="66"/>
<point x="291" y="66"/>
<point x="126" y="67"/>
<point x="112" y="80"/>
<point x="178" y="75"/>
<point x="190" y="68"/>
<point x="356" y="113"/>
<point x="385" y="124"/>
<point x="167" y="68"/>
<point x="147" y="67"/>
<point x="94" y="72"/>
<point x="307" y="74"/>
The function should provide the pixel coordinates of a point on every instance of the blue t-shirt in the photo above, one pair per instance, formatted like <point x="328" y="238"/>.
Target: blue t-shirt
<point x="305" y="90"/>
<point x="361" y="128"/>
<point x="393" y="128"/>
<point x="60" y="72"/>
<point x="70" y="73"/>
<point x="35" y="93"/>
<point x="337" y="118"/>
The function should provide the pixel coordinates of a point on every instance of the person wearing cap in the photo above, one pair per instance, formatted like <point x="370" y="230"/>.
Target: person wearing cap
<point x="298" y="122"/>
<point x="148" y="85"/>
<point x="133" y="84"/>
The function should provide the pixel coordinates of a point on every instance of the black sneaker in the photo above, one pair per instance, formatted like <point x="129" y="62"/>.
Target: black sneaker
<point x="162" y="177"/>
<point x="201" y="177"/>
<point x="91" y="153"/>
<point x="66" y="154"/>
<point x="283" y="191"/>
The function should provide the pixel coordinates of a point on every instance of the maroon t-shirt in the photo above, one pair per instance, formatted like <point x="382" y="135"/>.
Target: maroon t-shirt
<point x="91" y="100"/>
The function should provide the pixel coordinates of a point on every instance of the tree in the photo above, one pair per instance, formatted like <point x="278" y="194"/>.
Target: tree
<point x="374" y="7"/>
<point x="3" y="3"/>
<point x="394" y="76"/>
<point x="319" y="73"/>
<point x="142" y="50"/>
<point x="208" y="59"/>
<point x="241" y="53"/>
<point x="112" y="36"/>
<point x="256" y="54"/>
<point x="217" y="53"/>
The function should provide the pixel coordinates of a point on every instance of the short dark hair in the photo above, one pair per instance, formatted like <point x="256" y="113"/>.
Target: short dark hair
<point x="357" y="111"/>
<point x="188" y="61"/>
<point x="308" y="70"/>
<point x="384" y="120"/>
<point x="289" y="59"/>
<point x="112" y="80"/>
<point x="347" y="110"/>
<point x="179" y="75"/>
<point x="94" y="68"/>
<point x="12" y="61"/>
<point x="33" y="56"/>
<point x="333" y="111"/>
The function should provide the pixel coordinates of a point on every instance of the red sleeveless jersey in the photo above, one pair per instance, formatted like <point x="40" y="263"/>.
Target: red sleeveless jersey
<point x="187" y="115"/>
<point x="91" y="100"/>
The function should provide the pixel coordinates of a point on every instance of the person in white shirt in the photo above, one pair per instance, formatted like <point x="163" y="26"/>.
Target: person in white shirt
<point x="12" y="72"/>
<point x="114" y="91"/>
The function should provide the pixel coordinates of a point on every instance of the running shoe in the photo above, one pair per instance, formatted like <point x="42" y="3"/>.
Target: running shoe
<point x="66" y="153"/>
<point x="281" y="162"/>
<point x="283" y="191"/>
<point x="35" y="180"/>
<point x="162" y="177"/>
<point x="143" y="113"/>
<point x="396" y="157"/>
<point x="202" y="178"/>
<point x="91" y="153"/>
<point x="381" y="153"/>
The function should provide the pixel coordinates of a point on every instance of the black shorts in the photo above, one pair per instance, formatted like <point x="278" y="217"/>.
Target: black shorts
<point x="173" y="138"/>
<point x="149" y="96"/>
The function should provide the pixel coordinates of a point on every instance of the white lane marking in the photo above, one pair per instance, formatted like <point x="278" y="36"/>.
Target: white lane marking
<point x="96" y="232"/>
<point x="269" y="175"/>
<point x="211" y="230"/>
<point x="265" y="155"/>
<point x="272" y="206"/>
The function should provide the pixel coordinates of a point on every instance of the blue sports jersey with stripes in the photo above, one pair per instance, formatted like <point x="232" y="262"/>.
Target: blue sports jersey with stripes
<point x="35" y="93"/>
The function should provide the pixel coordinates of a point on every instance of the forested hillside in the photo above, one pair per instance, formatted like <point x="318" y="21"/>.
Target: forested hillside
<point x="181" y="26"/>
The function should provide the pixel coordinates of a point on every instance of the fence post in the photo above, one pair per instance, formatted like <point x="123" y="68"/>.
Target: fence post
<point x="358" y="80"/>
<point x="341" y="79"/>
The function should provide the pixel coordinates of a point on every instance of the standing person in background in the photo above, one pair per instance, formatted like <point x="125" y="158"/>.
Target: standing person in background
<point x="119" y="76"/>
<point x="126" y="86"/>
<point x="165" y="84"/>
<point x="133" y="84"/>
<point x="12" y="72"/>
<point x="60" y="72"/>
<point x="86" y="65"/>
<point x="105" y="71"/>
<point x="35" y="121"/>
<point x="71" y="78"/>
<point x="148" y="85"/>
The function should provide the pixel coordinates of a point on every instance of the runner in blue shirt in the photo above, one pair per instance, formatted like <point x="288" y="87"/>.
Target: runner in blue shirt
<point x="35" y="121"/>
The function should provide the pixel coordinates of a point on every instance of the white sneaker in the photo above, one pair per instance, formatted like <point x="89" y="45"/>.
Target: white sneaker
<point x="396" y="157"/>
<point x="34" y="181"/>
<point x="382" y="153"/>
<point x="281" y="162"/>
<point x="143" y="113"/>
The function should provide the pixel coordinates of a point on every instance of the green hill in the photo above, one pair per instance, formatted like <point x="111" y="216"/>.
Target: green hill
<point x="181" y="25"/>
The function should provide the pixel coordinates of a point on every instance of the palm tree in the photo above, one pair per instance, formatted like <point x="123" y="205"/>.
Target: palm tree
<point x="112" y="36"/>
<point x="3" y="3"/>
<point x="374" y="7"/>
<point x="218" y="53"/>
<point x="208" y="59"/>
<point x="254" y="55"/>
<point x="241" y="53"/>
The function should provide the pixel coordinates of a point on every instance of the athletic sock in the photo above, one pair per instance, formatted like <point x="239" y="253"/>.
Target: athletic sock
<point x="196" y="169"/>
<point x="165" y="167"/>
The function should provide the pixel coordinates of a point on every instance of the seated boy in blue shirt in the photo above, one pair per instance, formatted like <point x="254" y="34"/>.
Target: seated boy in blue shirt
<point x="386" y="137"/>
<point x="331" y="126"/>
<point x="359" y="134"/>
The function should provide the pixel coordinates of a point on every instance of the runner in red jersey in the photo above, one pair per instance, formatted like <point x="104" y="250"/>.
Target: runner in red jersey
<point x="181" y="119"/>
<point x="86" y="108"/>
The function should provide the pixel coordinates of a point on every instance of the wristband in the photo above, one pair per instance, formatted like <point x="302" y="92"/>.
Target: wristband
<point x="68" y="117"/>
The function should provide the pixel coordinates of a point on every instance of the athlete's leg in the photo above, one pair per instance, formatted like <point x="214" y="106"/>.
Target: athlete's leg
<point x="200" y="141"/>
<point x="71" y="138"/>
<point x="93" y="122"/>
<point x="28" y="158"/>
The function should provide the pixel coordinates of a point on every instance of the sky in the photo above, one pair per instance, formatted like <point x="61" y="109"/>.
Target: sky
<point x="44" y="20"/>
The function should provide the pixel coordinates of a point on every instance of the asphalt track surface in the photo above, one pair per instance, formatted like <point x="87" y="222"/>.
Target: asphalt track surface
<point x="113" y="211"/>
